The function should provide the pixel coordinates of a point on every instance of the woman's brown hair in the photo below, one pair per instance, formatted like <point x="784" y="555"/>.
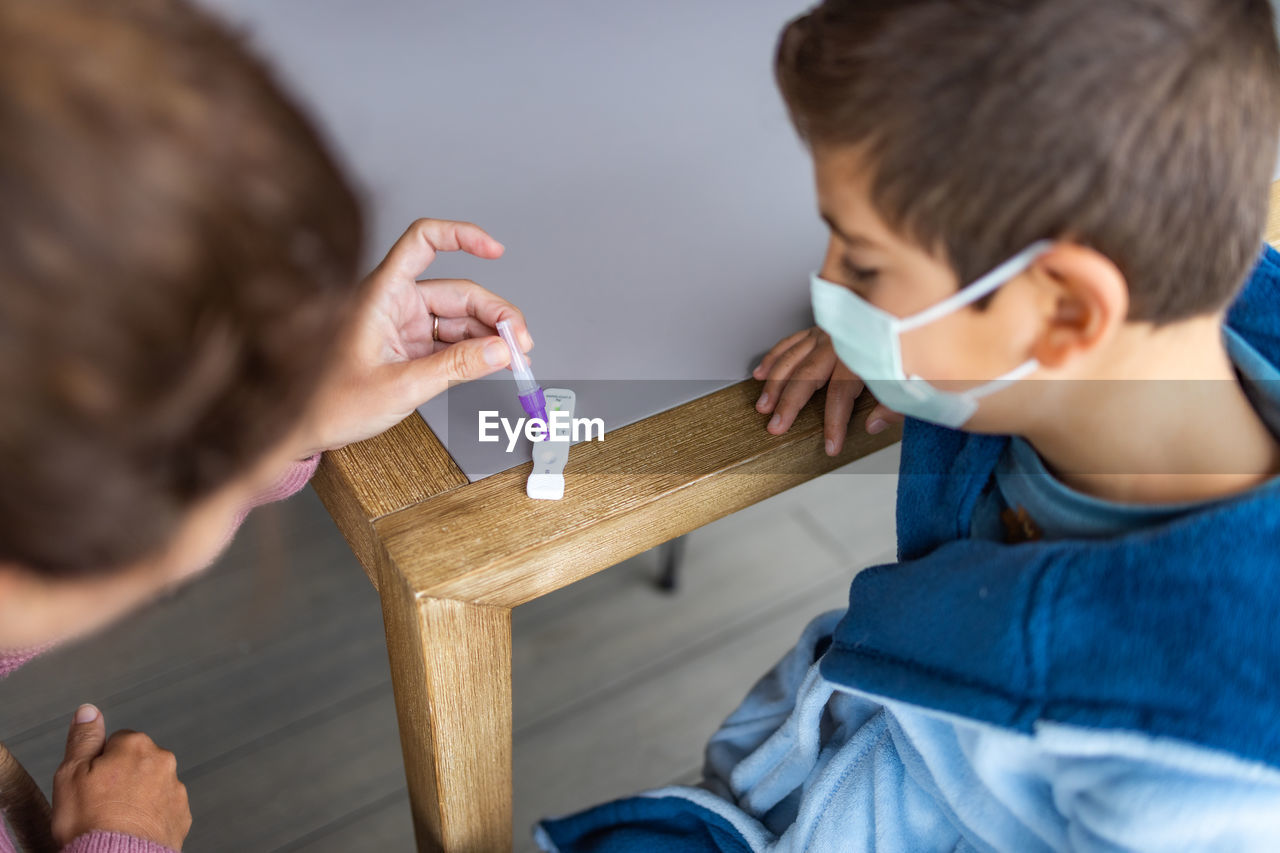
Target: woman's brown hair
<point x="177" y="248"/>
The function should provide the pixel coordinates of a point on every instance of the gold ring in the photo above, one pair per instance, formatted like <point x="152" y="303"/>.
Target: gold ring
<point x="435" y="327"/>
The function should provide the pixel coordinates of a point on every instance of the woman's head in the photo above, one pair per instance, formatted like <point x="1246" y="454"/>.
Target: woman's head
<point x="177" y="248"/>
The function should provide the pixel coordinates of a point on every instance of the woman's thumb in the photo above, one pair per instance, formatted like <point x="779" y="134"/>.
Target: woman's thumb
<point x="87" y="736"/>
<point x="475" y="358"/>
<point x="460" y="362"/>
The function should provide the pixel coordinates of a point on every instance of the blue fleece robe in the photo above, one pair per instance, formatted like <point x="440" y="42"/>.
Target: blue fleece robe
<point x="1105" y="694"/>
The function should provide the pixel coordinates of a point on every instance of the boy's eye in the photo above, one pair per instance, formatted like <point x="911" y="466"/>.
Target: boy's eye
<point x="862" y="275"/>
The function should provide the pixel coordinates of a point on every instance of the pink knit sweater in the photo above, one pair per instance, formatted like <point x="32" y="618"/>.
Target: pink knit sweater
<point x="113" y="842"/>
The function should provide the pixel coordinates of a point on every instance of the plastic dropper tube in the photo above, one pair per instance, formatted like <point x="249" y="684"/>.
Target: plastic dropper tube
<point x="532" y="400"/>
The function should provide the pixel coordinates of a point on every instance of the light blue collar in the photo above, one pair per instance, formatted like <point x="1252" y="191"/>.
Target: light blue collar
<point x="1025" y="481"/>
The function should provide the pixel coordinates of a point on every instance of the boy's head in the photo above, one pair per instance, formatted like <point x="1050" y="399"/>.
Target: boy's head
<point x="176" y="250"/>
<point x="948" y="135"/>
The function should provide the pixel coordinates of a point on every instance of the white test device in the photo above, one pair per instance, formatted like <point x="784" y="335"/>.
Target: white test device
<point x="547" y="480"/>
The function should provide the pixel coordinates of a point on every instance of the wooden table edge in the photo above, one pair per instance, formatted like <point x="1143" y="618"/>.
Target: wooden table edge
<point x="489" y="544"/>
<point x="403" y="521"/>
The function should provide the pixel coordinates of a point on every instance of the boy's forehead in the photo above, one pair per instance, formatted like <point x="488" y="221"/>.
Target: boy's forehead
<point x="843" y="182"/>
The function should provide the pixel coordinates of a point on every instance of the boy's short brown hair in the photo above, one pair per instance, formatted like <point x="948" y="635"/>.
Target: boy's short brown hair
<point x="177" y="248"/>
<point x="1146" y="129"/>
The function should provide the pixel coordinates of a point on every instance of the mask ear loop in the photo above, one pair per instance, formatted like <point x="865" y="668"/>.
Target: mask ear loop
<point x="988" y="283"/>
<point x="1011" y="268"/>
<point x="1022" y="371"/>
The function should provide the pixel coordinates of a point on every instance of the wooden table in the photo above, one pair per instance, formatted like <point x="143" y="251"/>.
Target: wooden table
<point x="451" y="558"/>
<point x="448" y="572"/>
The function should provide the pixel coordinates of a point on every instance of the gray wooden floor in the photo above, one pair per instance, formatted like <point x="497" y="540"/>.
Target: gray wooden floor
<point x="268" y="676"/>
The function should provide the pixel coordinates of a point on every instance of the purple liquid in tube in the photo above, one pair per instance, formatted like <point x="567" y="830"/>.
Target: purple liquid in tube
<point x="532" y="400"/>
<point x="535" y="406"/>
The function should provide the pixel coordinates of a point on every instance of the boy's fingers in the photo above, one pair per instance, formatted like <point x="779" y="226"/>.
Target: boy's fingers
<point x="810" y="375"/>
<point x="780" y="374"/>
<point x="425" y="238"/>
<point x="798" y="392"/>
<point x="842" y="391"/>
<point x="762" y="369"/>
<point x="881" y="419"/>
<point x="87" y="735"/>
<point x="455" y="298"/>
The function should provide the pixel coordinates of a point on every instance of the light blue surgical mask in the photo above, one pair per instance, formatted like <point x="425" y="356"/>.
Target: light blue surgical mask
<point x="867" y="340"/>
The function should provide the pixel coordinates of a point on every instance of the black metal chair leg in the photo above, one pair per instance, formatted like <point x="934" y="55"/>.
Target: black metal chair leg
<point x="669" y="556"/>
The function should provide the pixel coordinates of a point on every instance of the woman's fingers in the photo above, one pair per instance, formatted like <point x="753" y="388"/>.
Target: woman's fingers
<point x="453" y="330"/>
<point x="453" y="299"/>
<point x="86" y="737"/>
<point x="423" y="378"/>
<point x="124" y="784"/>
<point x="425" y="238"/>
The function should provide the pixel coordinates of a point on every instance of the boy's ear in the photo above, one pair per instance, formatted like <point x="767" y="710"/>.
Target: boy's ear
<point x="1087" y="302"/>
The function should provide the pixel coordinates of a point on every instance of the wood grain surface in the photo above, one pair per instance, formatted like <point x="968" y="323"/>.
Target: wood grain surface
<point x="489" y="543"/>
<point x="362" y="482"/>
<point x="451" y="670"/>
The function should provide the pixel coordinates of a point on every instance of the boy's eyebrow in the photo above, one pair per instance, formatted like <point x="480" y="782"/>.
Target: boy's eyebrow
<point x="840" y="232"/>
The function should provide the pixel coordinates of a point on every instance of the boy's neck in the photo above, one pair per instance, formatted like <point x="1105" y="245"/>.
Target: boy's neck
<point x="1168" y="422"/>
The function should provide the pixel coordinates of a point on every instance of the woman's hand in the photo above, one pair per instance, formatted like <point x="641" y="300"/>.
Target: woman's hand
<point x="124" y="784"/>
<point x="389" y="364"/>
<point x="796" y="367"/>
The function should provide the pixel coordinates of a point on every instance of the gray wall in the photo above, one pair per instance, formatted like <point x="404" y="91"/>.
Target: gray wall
<point x="634" y="157"/>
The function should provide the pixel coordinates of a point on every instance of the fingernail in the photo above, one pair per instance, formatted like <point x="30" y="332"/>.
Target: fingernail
<point x="762" y="402"/>
<point x="831" y="447"/>
<point x="495" y="354"/>
<point x="756" y="371"/>
<point x="875" y="425"/>
<point x="775" y="421"/>
<point x="86" y="714"/>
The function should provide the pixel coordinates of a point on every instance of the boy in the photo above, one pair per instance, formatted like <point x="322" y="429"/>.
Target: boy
<point x="1048" y="210"/>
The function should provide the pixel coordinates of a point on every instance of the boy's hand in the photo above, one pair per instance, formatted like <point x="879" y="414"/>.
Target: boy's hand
<point x="389" y="364"/>
<point x="796" y="367"/>
<point x="125" y="784"/>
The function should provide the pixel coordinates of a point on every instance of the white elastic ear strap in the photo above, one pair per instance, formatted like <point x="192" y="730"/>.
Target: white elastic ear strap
<point x="980" y="288"/>
<point x="1022" y="371"/>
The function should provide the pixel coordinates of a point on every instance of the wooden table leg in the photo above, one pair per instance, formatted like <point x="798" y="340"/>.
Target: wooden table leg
<point x="451" y="671"/>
